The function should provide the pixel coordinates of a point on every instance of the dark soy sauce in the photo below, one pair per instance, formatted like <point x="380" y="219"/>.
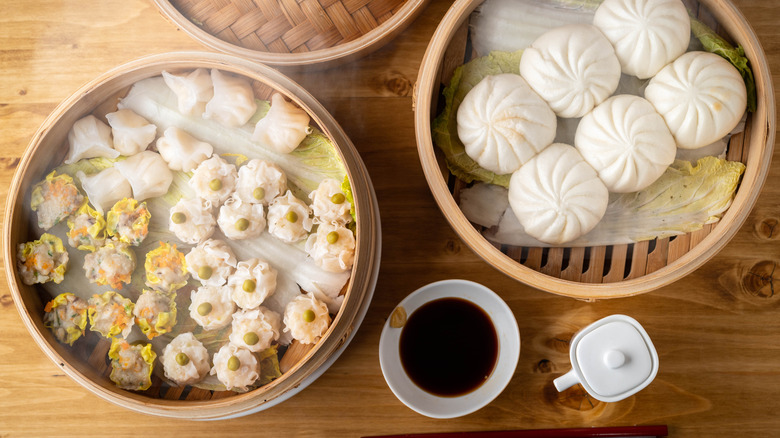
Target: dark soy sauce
<point x="449" y="347"/>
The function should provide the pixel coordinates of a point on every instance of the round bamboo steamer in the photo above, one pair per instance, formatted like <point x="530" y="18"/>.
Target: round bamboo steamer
<point x="89" y="368"/>
<point x="293" y="33"/>
<point x="607" y="271"/>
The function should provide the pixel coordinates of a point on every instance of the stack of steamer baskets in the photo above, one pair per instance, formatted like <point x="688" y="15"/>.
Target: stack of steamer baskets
<point x="597" y="272"/>
<point x="86" y="360"/>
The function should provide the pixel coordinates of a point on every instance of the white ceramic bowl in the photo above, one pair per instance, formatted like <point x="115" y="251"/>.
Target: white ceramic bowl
<point x="435" y="406"/>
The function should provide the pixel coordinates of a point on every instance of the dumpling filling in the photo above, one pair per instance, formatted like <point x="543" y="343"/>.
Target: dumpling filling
<point x="185" y="360"/>
<point x="288" y="218"/>
<point x="86" y="229"/>
<point x="214" y="180"/>
<point x="211" y="307"/>
<point x="332" y="247"/>
<point x="330" y="204"/>
<point x="191" y="220"/>
<point x="54" y="199"/>
<point x="131" y="365"/>
<point x="110" y="314"/>
<point x="253" y="282"/>
<point x="306" y="318"/>
<point x="211" y="262"/>
<point x="112" y="264"/>
<point x="260" y="182"/>
<point x="66" y="316"/>
<point x="235" y="367"/>
<point x="166" y="268"/>
<point x="42" y="260"/>
<point x="255" y="329"/>
<point x="128" y="221"/>
<point x="155" y="313"/>
<point x="239" y="220"/>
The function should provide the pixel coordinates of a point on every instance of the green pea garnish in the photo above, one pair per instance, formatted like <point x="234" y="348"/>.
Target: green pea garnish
<point x="258" y="193"/>
<point x="204" y="309"/>
<point x="308" y="315"/>
<point x="332" y="237"/>
<point x="233" y="363"/>
<point x="182" y="359"/>
<point x="204" y="272"/>
<point x="178" y="218"/>
<point x="215" y="184"/>
<point x="249" y="286"/>
<point x="242" y="224"/>
<point x="338" y="198"/>
<point x="251" y="338"/>
<point x="291" y="216"/>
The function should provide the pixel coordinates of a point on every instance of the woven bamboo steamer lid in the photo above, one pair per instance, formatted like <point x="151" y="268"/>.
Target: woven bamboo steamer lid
<point x="607" y="271"/>
<point x="293" y="33"/>
<point x="85" y="362"/>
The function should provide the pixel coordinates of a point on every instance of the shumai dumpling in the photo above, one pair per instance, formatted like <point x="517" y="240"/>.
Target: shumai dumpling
<point x="233" y="103"/>
<point x="557" y="196"/>
<point x="626" y="142"/>
<point x="185" y="360"/>
<point x="260" y="181"/>
<point x="646" y="34"/>
<point x="284" y="127"/>
<point x="503" y="123"/>
<point x="573" y="68"/>
<point x="701" y="96"/>
<point x="211" y="262"/>
<point x="191" y="220"/>
<point x="236" y="367"/>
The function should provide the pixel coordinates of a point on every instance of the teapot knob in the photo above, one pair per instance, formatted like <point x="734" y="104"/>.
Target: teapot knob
<point x="614" y="359"/>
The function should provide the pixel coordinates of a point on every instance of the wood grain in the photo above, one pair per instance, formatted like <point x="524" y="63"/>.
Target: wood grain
<point x="717" y="330"/>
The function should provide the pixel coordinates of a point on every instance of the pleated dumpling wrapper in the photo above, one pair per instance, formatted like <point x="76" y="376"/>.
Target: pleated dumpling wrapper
<point x="503" y="123"/>
<point x="233" y="102"/>
<point x="627" y="142"/>
<point x="181" y="150"/>
<point x="572" y="67"/>
<point x="646" y="34"/>
<point x="147" y="173"/>
<point x="701" y="96"/>
<point x="105" y="188"/>
<point x="90" y="137"/>
<point x="193" y="90"/>
<point x="131" y="132"/>
<point x="284" y="127"/>
<point x="557" y="196"/>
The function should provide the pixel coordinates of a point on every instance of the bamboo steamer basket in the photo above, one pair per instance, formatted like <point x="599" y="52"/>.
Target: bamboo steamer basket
<point x="86" y="361"/>
<point x="606" y="271"/>
<point x="293" y="33"/>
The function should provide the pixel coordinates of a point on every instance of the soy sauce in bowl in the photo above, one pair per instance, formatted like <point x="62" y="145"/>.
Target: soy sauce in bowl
<point x="449" y="347"/>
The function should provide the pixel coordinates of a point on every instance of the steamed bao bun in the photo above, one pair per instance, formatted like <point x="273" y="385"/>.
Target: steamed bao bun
<point x="572" y="67"/>
<point x="701" y="96"/>
<point x="557" y="196"/>
<point x="646" y="34"/>
<point x="627" y="142"/>
<point x="502" y="123"/>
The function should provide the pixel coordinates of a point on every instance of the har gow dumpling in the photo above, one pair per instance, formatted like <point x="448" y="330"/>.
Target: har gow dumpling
<point x="181" y="150"/>
<point x="701" y="96"/>
<point x="193" y="90"/>
<point x="132" y="133"/>
<point x="503" y="123"/>
<point x="105" y="188"/>
<point x="89" y="138"/>
<point x="557" y="196"/>
<point x="284" y="127"/>
<point x="627" y="142"/>
<point x="148" y="174"/>
<point x="646" y="34"/>
<point x="573" y="68"/>
<point x="233" y="103"/>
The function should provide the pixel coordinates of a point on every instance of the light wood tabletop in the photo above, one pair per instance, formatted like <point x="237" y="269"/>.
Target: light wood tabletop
<point x="717" y="331"/>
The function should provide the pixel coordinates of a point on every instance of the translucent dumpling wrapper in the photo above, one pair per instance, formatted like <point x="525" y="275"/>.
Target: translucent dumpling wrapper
<point x="260" y="181"/>
<point x="573" y="68"/>
<point x="191" y="220"/>
<point x="214" y="180"/>
<point x="646" y="35"/>
<point x="701" y="96"/>
<point x="42" y="260"/>
<point x="147" y="173"/>
<point x="233" y="103"/>
<point x="166" y="268"/>
<point x="332" y="247"/>
<point x="128" y="221"/>
<point x="284" y="126"/>
<point x="557" y="196"/>
<point x="131" y="364"/>
<point x="236" y="367"/>
<point x="211" y="307"/>
<point x="255" y="329"/>
<point x="155" y="312"/>
<point x="330" y="204"/>
<point x="306" y="318"/>
<point x="503" y="123"/>
<point x="627" y="142"/>
<point x="131" y="133"/>
<point x="110" y="314"/>
<point x="211" y="262"/>
<point x="289" y="218"/>
<point x="105" y="188"/>
<point x="239" y="220"/>
<point x="193" y="90"/>
<point x="181" y="150"/>
<point x="54" y="199"/>
<point x="185" y="360"/>
<point x="86" y="229"/>
<point x="253" y="282"/>
<point x="66" y="317"/>
<point x="112" y="264"/>
<point x="89" y="138"/>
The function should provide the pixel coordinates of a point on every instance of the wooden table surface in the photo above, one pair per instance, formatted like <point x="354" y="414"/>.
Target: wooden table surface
<point x="717" y="331"/>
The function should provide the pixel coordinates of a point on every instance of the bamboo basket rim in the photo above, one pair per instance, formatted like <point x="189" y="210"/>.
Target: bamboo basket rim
<point x="360" y="286"/>
<point x="323" y="58"/>
<point x="757" y="167"/>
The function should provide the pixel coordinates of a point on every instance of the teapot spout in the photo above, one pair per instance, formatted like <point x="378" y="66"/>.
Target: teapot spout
<point x="566" y="381"/>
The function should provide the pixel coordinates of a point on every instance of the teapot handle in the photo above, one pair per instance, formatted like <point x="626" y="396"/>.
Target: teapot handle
<point x="566" y="381"/>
